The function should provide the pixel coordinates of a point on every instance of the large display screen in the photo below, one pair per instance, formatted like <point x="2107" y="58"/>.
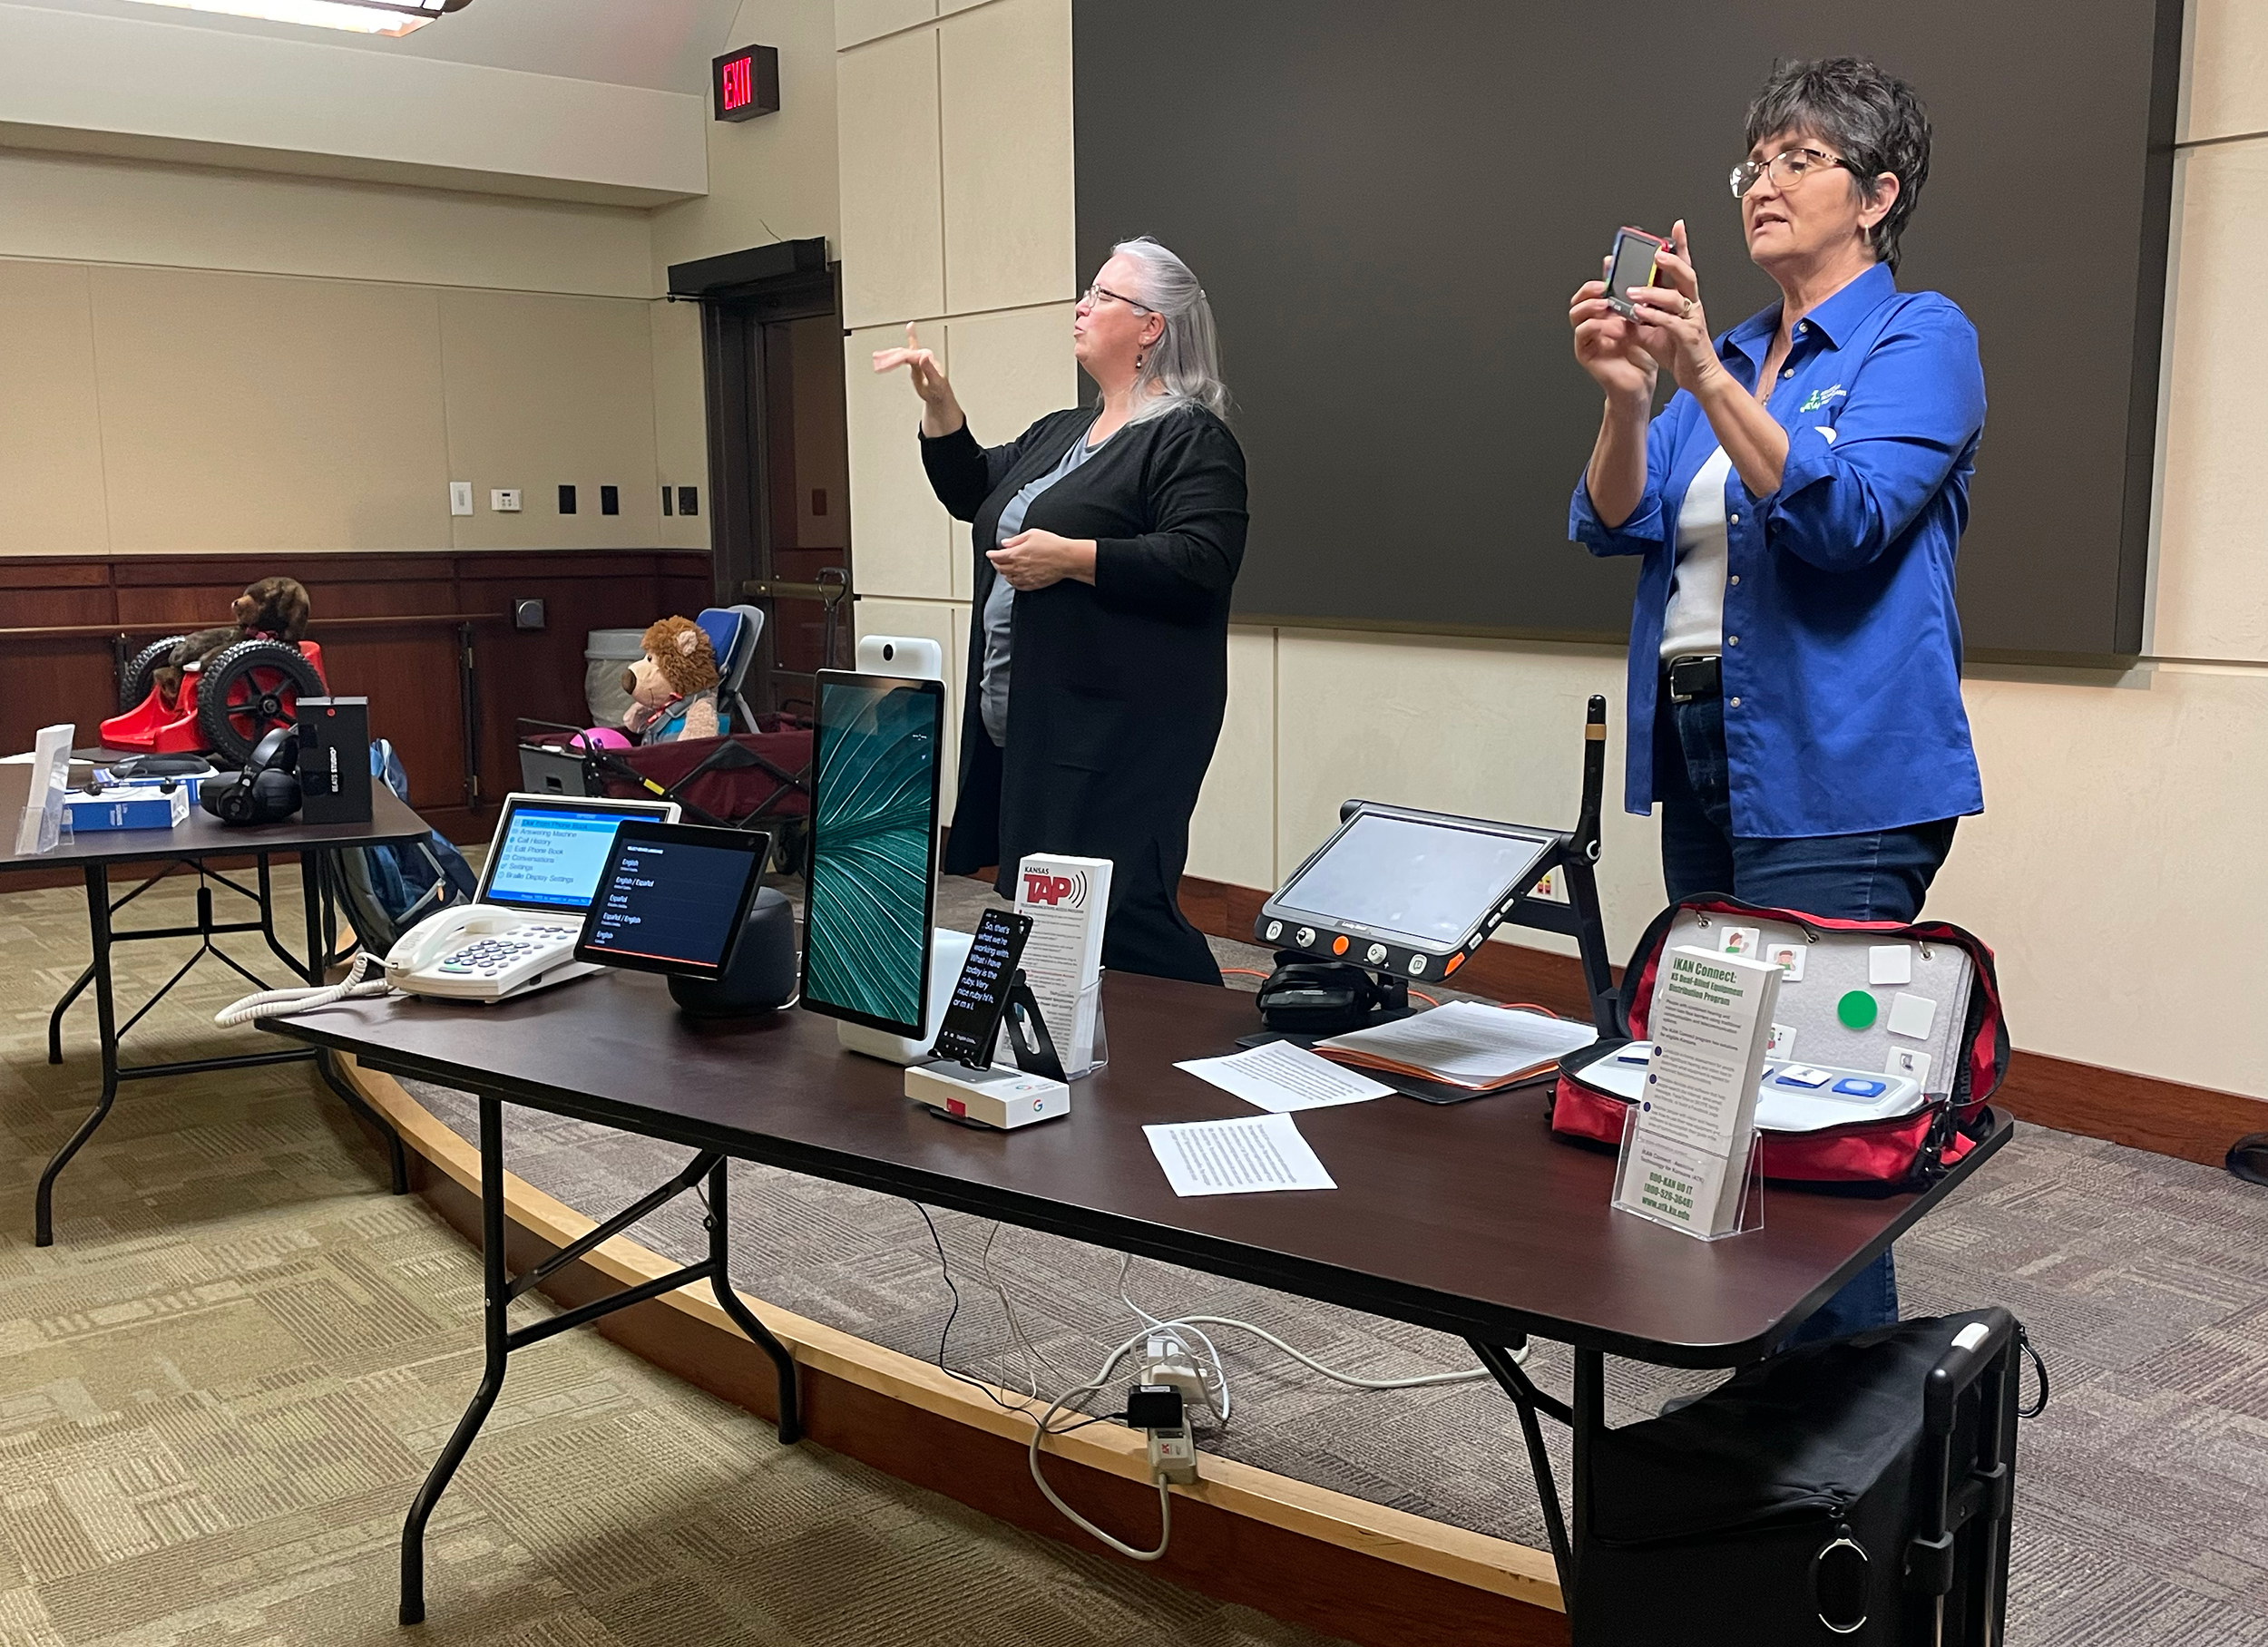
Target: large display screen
<point x="873" y="832"/>
<point x="1427" y="882"/>
<point x="549" y="857"/>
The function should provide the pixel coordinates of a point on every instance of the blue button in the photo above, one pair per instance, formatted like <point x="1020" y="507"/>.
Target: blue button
<point x="1861" y="1090"/>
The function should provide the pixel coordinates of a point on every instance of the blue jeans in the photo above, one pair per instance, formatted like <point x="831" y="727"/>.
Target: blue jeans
<point x="1880" y="875"/>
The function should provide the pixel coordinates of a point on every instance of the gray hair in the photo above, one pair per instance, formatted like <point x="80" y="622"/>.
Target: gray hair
<point x="1874" y="118"/>
<point x="1184" y="363"/>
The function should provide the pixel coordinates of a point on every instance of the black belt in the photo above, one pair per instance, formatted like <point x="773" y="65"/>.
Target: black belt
<point x="1694" y="677"/>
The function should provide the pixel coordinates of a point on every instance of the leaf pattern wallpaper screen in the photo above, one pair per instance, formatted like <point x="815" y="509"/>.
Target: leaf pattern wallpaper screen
<point x="874" y="807"/>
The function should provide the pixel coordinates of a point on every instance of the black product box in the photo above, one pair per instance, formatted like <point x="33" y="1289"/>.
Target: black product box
<point x="335" y="759"/>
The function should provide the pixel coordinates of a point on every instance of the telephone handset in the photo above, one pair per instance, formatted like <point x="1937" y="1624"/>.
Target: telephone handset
<point x="484" y="952"/>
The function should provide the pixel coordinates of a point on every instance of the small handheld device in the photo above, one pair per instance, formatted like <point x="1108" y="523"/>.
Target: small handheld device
<point x="971" y="1027"/>
<point x="1631" y="263"/>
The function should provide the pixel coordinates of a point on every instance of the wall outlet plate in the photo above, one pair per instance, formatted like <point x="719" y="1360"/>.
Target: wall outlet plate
<point x="460" y="497"/>
<point x="505" y="500"/>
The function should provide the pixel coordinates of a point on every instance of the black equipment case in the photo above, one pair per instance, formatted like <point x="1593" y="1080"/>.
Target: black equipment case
<point x="1856" y="1491"/>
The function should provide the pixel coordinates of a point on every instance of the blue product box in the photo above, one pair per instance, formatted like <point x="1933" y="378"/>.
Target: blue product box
<point x="128" y="806"/>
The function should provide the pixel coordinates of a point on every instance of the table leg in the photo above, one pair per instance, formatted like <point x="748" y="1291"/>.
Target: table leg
<point x="55" y="1019"/>
<point x="720" y="1281"/>
<point x="1585" y="1416"/>
<point x="98" y="919"/>
<point x="496" y="1292"/>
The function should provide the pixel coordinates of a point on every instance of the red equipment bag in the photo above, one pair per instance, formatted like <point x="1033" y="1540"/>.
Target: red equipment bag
<point x="1892" y="1153"/>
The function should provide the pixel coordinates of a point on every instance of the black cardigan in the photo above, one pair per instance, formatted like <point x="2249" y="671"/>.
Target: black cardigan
<point x="1116" y="689"/>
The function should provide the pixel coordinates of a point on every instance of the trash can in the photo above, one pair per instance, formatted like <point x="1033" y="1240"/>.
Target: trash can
<point x="606" y="653"/>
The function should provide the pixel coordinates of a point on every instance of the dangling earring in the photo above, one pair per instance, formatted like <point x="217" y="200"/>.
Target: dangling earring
<point x="1139" y="359"/>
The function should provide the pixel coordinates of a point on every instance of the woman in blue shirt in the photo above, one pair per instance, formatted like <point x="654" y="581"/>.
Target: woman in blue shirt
<point x="1794" y="686"/>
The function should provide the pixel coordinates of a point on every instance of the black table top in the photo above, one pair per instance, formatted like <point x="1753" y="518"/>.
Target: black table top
<point x="205" y="836"/>
<point x="1468" y="1218"/>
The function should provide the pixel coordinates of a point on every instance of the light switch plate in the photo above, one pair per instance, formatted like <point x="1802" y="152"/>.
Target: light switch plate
<point x="505" y="500"/>
<point x="460" y="497"/>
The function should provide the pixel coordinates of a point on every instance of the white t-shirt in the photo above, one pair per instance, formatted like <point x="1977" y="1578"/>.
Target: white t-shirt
<point x="1695" y="622"/>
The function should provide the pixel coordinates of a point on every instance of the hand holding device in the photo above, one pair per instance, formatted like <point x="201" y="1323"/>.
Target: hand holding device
<point x="941" y="412"/>
<point x="1606" y="339"/>
<point x="1672" y="326"/>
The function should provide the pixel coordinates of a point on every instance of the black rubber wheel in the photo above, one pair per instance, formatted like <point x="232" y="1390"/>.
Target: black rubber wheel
<point x="248" y="691"/>
<point x="140" y="672"/>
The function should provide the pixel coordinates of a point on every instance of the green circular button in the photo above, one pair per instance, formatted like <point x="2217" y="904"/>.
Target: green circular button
<point x="1857" y="1010"/>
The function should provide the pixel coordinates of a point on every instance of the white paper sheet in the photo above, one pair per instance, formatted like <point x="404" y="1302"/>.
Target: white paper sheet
<point x="1237" y="1157"/>
<point x="1467" y="1042"/>
<point x="1281" y="1077"/>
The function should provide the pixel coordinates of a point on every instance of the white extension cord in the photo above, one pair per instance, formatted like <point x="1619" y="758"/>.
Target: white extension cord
<point x="276" y="1003"/>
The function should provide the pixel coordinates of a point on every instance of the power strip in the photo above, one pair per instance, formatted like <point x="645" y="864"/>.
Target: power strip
<point x="1169" y="1360"/>
<point x="1172" y="1456"/>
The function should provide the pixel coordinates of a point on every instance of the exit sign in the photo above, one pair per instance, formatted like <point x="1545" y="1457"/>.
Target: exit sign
<point x="746" y="82"/>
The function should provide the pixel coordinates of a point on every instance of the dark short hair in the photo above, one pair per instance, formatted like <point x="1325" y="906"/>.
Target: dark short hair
<point x="1874" y="118"/>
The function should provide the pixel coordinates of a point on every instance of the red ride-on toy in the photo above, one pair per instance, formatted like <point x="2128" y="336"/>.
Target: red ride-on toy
<point x="225" y="708"/>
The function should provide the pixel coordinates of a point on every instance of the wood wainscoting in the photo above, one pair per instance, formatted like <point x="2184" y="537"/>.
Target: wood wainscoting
<point x="407" y="614"/>
<point x="2189" y="1123"/>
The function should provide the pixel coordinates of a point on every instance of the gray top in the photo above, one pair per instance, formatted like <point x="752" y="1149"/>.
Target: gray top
<point x="1000" y="605"/>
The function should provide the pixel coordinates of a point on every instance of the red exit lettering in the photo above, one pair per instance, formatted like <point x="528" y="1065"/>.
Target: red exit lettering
<point x="737" y="92"/>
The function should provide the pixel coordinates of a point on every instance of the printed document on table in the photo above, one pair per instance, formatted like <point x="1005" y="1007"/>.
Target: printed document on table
<point x="1467" y="1043"/>
<point x="1281" y="1077"/>
<point x="1237" y="1157"/>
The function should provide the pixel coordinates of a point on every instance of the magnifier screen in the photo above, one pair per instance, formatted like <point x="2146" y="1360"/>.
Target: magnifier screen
<point x="1633" y="264"/>
<point x="1430" y="882"/>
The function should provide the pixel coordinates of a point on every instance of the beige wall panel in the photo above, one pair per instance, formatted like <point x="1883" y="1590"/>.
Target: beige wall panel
<point x="179" y="216"/>
<point x="892" y="212"/>
<point x="856" y="21"/>
<point x="2227" y="62"/>
<point x="1005" y="79"/>
<point x="1494" y="730"/>
<point x="241" y="412"/>
<point x="901" y="541"/>
<point x="773" y="177"/>
<point x="680" y="418"/>
<point x="1010" y="369"/>
<point x="2120" y="842"/>
<point x="543" y="391"/>
<point x="948" y="626"/>
<point x="2212" y="572"/>
<point x="945" y="8"/>
<point x="1232" y="836"/>
<point x="51" y="439"/>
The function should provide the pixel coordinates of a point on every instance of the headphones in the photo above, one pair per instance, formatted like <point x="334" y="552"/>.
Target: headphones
<point x="1304" y="996"/>
<point x="267" y="791"/>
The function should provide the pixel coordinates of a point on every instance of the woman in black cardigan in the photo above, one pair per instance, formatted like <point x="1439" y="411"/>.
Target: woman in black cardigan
<point x="1107" y="540"/>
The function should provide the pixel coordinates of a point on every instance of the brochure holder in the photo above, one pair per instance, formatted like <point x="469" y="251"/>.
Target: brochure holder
<point x="40" y="827"/>
<point x="1747" y="1217"/>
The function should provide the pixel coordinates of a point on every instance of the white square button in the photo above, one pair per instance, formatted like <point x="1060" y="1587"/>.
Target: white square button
<point x="1889" y="963"/>
<point x="1911" y="1015"/>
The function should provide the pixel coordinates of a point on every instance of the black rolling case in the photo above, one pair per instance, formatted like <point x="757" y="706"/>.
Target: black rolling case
<point x="1856" y="1491"/>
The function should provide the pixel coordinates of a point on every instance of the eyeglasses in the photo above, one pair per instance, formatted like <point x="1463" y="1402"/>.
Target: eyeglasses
<point x="1788" y="167"/>
<point x="1095" y="293"/>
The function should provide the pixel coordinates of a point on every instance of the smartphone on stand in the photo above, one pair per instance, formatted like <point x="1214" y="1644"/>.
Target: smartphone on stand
<point x="970" y="1028"/>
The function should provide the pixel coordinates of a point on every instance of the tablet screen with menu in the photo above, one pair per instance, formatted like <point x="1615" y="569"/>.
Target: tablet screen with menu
<point x="874" y="836"/>
<point x="671" y="898"/>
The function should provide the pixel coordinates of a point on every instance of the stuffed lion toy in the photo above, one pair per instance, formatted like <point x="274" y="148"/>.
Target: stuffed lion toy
<point x="673" y="687"/>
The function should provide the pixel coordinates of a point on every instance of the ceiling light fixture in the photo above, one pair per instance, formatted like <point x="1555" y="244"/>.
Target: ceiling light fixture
<point x="390" y="18"/>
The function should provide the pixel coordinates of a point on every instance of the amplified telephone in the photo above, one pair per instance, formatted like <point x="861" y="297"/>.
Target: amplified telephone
<point x="519" y="932"/>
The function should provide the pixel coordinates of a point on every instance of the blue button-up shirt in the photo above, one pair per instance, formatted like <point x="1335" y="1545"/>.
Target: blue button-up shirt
<point x="1842" y="708"/>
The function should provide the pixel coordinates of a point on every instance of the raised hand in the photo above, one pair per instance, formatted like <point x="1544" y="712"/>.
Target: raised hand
<point x="1671" y="324"/>
<point x="941" y="412"/>
<point x="1606" y="345"/>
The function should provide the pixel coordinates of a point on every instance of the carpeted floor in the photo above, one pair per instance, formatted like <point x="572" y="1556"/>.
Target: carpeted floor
<point x="2142" y="1518"/>
<point x="220" y="1387"/>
